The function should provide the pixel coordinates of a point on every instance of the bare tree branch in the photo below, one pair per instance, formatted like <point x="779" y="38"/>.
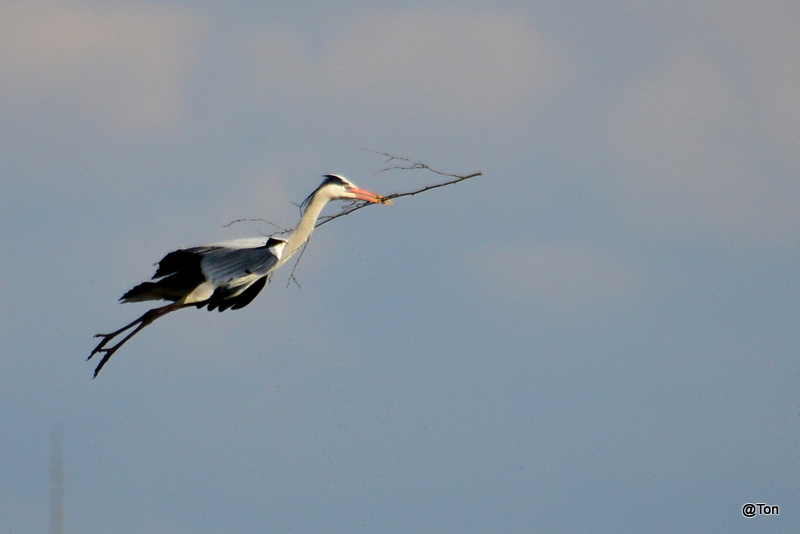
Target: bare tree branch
<point x="409" y="165"/>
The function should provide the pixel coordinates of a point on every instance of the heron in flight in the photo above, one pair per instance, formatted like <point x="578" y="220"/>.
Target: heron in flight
<point x="227" y="275"/>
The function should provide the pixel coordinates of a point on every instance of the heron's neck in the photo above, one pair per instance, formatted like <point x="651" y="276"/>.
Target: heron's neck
<point x="302" y="232"/>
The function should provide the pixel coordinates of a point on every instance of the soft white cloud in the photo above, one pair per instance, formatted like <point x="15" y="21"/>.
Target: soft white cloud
<point x="709" y="139"/>
<point x="679" y="128"/>
<point x="759" y="43"/>
<point x="481" y="67"/>
<point x="564" y="278"/>
<point x="124" y="65"/>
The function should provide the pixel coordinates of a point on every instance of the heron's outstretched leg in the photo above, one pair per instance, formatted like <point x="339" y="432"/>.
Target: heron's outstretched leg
<point x="147" y="318"/>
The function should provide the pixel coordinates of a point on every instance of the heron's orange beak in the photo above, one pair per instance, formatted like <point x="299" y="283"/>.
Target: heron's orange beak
<point x="363" y="194"/>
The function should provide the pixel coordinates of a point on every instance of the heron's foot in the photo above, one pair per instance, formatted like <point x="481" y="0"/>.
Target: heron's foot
<point x="134" y="327"/>
<point x="107" y="353"/>
<point x="101" y="346"/>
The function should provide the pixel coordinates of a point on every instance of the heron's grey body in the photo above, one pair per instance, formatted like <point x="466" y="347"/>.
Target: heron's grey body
<point x="222" y="276"/>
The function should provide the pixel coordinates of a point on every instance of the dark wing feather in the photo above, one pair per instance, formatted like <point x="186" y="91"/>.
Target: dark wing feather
<point x="222" y="299"/>
<point x="248" y="294"/>
<point x="180" y="274"/>
<point x="182" y="260"/>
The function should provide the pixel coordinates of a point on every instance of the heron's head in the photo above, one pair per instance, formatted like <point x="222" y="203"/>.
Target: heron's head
<point x="336" y="187"/>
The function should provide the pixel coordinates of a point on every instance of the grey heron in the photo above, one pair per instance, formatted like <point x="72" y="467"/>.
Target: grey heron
<point x="227" y="275"/>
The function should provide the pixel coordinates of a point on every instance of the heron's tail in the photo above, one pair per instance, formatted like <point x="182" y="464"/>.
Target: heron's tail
<point x="148" y="291"/>
<point x="173" y="287"/>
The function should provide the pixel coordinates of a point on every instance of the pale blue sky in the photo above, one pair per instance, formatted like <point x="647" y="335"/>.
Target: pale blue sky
<point x="598" y="335"/>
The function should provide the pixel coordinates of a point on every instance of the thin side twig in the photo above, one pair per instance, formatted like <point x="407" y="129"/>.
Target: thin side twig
<point x="280" y="228"/>
<point x="411" y="164"/>
<point x="292" y="277"/>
